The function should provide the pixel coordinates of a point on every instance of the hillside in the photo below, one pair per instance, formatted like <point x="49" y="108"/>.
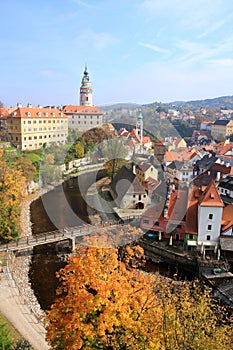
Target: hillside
<point x="223" y="102"/>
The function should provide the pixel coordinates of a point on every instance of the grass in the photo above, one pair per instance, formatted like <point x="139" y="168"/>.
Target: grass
<point x="13" y="331"/>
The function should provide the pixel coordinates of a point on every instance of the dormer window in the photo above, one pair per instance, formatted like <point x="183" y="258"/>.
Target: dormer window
<point x="53" y="114"/>
<point x="39" y="114"/>
<point x="46" y="114"/>
<point x="29" y="114"/>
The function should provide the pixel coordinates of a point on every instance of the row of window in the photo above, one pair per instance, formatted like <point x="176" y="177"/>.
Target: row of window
<point x="40" y="129"/>
<point x="46" y="114"/>
<point x="85" y="116"/>
<point x="43" y="137"/>
<point x="85" y="122"/>
<point x="44" y="121"/>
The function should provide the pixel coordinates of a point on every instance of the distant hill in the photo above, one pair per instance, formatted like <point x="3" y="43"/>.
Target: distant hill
<point x="224" y="102"/>
<point x="120" y="106"/>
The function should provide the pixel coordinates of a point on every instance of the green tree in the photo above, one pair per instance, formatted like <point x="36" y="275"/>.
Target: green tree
<point x="114" y="153"/>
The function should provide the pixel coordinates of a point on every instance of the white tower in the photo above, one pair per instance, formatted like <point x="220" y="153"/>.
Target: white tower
<point x="85" y="90"/>
<point x="139" y="127"/>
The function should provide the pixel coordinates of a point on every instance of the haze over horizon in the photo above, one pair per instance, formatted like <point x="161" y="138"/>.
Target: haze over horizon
<point x="136" y="51"/>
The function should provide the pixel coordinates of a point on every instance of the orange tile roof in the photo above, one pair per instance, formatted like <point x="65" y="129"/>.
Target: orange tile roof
<point x="6" y="112"/>
<point x="177" y="205"/>
<point x="192" y="210"/>
<point x="146" y="139"/>
<point x="227" y="217"/>
<point x="37" y="112"/>
<point x="82" y="109"/>
<point x="210" y="197"/>
<point x="179" y="155"/>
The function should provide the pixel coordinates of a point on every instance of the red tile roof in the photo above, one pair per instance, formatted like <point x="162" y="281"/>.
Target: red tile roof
<point x="37" y="112"/>
<point x="210" y="197"/>
<point x="227" y="217"/>
<point x="82" y="110"/>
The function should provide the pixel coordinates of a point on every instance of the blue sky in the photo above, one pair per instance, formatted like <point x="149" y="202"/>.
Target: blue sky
<point x="136" y="50"/>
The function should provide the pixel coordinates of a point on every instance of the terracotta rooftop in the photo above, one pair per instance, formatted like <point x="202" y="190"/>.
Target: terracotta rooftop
<point x="210" y="197"/>
<point x="37" y="112"/>
<point x="82" y="110"/>
<point x="227" y="217"/>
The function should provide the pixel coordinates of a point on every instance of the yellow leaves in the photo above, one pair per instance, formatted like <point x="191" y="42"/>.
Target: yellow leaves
<point x="110" y="306"/>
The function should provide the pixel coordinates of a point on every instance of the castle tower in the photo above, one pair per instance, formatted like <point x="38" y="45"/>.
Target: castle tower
<point x="139" y="127"/>
<point x="85" y="90"/>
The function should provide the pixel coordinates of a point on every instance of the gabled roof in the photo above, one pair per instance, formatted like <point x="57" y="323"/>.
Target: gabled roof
<point x="6" y="112"/>
<point x="144" y="166"/>
<point x="177" y="205"/>
<point x="210" y="197"/>
<point x="151" y="184"/>
<point x="126" y="182"/>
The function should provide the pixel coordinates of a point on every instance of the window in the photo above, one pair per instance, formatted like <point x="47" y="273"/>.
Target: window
<point x="156" y="223"/>
<point x="211" y="216"/>
<point x="191" y="236"/>
<point x="209" y="227"/>
<point x="208" y="237"/>
<point x="146" y="221"/>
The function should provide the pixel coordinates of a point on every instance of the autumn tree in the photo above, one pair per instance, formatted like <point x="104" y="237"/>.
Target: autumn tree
<point x="79" y="148"/>
<point x="12" y="191"/>
<point x="189" y="317"/>
<point x="103" y="305"/>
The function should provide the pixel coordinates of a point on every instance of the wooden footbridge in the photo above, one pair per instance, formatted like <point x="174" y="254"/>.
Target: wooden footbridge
<point x="48" y="237"/>
<point x="70" y="233"/>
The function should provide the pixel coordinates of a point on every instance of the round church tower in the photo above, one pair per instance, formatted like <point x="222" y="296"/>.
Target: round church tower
<point x="86" y="90"/>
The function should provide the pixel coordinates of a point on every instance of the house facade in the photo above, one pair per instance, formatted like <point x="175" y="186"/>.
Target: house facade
<point x="31" y="128"/>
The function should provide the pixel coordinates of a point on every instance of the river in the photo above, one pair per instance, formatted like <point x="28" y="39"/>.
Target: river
<point x="66" y="207"/>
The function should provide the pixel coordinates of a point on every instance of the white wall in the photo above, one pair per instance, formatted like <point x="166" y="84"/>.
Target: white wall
<point x="204" y="221"/>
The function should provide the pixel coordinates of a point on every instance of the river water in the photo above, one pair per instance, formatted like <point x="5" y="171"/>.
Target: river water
<point x="62" y="207"/>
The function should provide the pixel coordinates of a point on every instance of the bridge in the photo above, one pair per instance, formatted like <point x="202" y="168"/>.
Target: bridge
<point x="47" y="237"/>
<point x="61" y="235"/>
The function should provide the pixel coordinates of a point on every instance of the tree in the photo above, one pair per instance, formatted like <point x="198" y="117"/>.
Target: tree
<point x="102" y="305"/>
<point x="115" y="153"/>
<point x="79" y="148"/>
<point x="12" y="190"/>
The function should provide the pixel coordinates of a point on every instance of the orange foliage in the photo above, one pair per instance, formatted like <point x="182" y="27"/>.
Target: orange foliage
<point x="106" y="306"/>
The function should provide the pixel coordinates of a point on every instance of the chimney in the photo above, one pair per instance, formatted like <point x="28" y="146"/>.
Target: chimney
<point x="218" y="176"/>
<point x="29" y="105"/>
<point x="19" y="105"/>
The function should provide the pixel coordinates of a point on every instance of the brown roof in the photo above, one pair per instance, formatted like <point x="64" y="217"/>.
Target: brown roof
<point x="210" y="197"/>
